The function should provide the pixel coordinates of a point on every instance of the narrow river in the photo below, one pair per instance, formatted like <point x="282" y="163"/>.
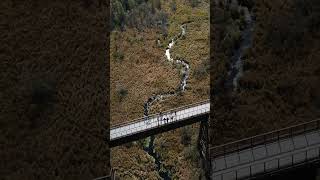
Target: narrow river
<point x="246" y="42"/>
<point x="164" y="173"/>
<point x="236" y="68"/>
<point x="234" y="73"/>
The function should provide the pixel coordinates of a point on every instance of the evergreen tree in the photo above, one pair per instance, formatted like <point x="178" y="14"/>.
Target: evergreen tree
<point x="131" y="4"/>
<point x="194" y="3"/>
<point x="173" y="6"/>
<point x="136" y="13"/>
<point x="118" y="14"/>
<point x="156" y="4"/>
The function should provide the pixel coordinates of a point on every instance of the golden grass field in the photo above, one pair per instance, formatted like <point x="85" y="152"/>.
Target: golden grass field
<point x="145" y="71"/>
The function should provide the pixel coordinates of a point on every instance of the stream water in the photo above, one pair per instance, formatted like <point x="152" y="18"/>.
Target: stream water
<point x="235" y="72"/>
<point x="236" y="69"/>
<point x="164" y="173"/>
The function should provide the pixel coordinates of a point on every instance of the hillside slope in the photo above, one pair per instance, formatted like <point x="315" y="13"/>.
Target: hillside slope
<point x="281" y="81"/>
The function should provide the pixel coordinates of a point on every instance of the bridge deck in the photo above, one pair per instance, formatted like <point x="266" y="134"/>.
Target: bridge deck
<point x="268" y="157"/>
<point x="153" y="122"/>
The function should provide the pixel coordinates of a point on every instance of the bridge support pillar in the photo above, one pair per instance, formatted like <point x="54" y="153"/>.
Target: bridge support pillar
<point x="203" y="148"/>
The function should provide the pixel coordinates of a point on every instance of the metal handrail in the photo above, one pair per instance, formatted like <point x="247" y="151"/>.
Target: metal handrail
<point x="262" y="138"/>
<point x="111" y="176"/>
<point x="155" y="114"/>
<point x="251" y="175"/>
<point x="154" y="127"/>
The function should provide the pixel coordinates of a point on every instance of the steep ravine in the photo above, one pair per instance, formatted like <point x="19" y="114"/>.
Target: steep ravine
<point x="164" y="173"/>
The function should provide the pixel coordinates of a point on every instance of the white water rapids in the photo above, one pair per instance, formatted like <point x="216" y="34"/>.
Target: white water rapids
<point x="178" y="61"/>
<point x="185" y="72"/>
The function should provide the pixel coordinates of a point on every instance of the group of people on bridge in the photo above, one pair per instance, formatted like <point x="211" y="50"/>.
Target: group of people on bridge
<point x="164" y="118"/>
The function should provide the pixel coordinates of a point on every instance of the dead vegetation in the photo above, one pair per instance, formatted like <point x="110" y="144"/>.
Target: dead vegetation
<point x="145" y="71"/>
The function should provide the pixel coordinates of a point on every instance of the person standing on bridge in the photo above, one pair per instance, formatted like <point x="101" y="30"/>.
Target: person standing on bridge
<point x="160" y="117"/>
<point x="164" y="119"/>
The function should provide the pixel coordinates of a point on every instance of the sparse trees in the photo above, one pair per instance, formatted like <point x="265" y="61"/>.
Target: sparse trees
<point x="137" y="13"/>
<point x="118" y="14"/>
<point x="156" y="4"/>
<point x="163" y="19"/>
<point x="247" y="3"/>
<point x="234" y="8"/>
<point x="194" y="3"/>
<point x="232" y="37"/>
<point x="131" y="4"/>
<point x="173" y="5"/>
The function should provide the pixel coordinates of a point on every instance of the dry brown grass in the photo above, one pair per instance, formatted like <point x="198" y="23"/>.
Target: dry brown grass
<point x="133" y="163"/>
<point x="147" y="72"/>
<point x="174" y="153"/>
<point x="143" y="72"/>
<point x="194" y="48"/>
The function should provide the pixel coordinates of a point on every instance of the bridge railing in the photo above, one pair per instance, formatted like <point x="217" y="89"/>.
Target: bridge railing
<point x="156" y="115"/>
<point x="154" y="121"/>
<point x="112" y="176"/>
<point x="265" y="138"/>
<point x="305" y="156"/>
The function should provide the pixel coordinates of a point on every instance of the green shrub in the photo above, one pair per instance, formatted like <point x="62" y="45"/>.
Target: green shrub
<point x="128" y="145"/>
<point x="242" y="21"/>
<point x="186" y="136"/>
<point x="202" y="69"/>
<point x="235" y="36"/>
<point x="191" y="153"/>
<point x="122" y="93"/>
<point x="194" y="3"/>
<point x="247" y="3"/>
<point x="232" y="37"/>
<point x="235" y="13"/>
<point x="135" y="13"/>
<point x="246" y="53"/>
<point x="199" y="72"/>
<point x="173" y="6"/>
<point x="119" y="56"/>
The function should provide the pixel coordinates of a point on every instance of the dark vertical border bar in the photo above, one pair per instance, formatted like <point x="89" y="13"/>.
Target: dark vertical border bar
<point x="54" y="89"/>
<point x="108" y="115"/>
<point x="210" y="122"/>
